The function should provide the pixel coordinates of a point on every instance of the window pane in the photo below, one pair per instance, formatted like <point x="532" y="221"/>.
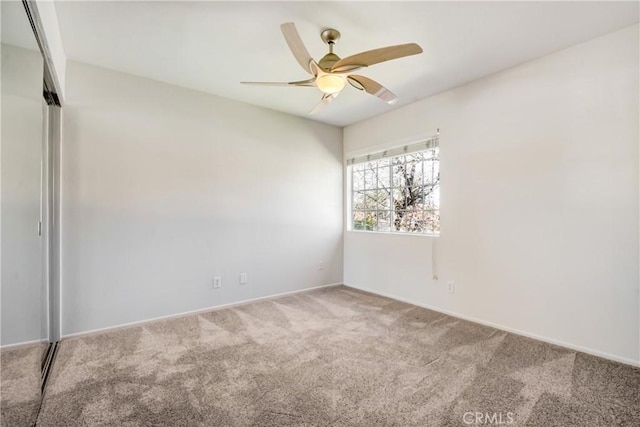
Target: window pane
<point x="413" y="159"/>
<point x="431" y="154"/>
<point x="371" y="199"/>
<point x="401" y="198"/>
<point x="358" y="220"/>
<point x="383" y="177"/>
<point x="432" y="221"/>
<point x="414" y="171"/>
<point x="398" y="177"/>
<point x="414" y="221"/>
<point x="384" y="221"/>
<point x="364" y="220"/>
<point x="431" y="198"/>
<point x="370" y="178"/>
<point x="398" y="220"/>
<point x="410" y="179"/>
<point x="431" y="171"/>
<point x="371" y="222"/>
<point x="358" y="200"/>
<point x="358" y="181"/>
<point x="384" y="200"/>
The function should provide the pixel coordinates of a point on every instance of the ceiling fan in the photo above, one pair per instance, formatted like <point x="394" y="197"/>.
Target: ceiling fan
<point x="331" y="73"/>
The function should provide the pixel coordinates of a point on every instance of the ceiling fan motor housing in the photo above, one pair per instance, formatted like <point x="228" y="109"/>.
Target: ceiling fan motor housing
<point x="327" y="61"/>
<point x="330" y="37"/>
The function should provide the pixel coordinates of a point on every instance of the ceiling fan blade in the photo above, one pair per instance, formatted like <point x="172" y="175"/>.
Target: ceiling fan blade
<point x="370" y="57"/>
<point x="326" y="98"/>
<point x="372" y="87"/>
<point x="296" y="45"/>
<point x="303" y="83"/>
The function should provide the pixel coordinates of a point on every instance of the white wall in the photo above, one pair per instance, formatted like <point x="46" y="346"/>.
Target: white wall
<point x="164" y="188"/>
<point x="540" y="197"/>
<point x="21" y="151"/>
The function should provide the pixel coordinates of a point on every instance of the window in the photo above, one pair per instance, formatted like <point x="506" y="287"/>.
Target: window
<point x="397" y="193"/>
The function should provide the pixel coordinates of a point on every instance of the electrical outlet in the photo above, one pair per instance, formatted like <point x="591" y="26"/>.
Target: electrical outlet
<point x="450" y="287"/>
<point x="217" y="282"/>
<point x="243" y="278"/>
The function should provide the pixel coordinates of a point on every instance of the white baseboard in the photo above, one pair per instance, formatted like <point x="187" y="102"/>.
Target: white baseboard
<point x="188" y="313"/>
<point x="20" y="344"/>
<point x="505" y="328"/>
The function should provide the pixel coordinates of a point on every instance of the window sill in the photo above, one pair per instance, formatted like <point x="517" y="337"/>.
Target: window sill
<point x="394" y="233"/>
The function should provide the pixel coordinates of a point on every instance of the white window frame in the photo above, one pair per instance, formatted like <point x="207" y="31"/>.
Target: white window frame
<point x="423" y="146"/>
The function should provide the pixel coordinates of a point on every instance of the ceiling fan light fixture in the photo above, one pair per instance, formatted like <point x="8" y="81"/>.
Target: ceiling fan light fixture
<point x="330" y="83"/>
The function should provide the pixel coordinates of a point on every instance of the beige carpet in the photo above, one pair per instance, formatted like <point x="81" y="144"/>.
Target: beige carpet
<point x="20" y="384"/>
<point x="333" y="357"/>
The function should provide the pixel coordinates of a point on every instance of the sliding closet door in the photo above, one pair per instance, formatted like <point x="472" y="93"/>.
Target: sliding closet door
<point x="21" y="244"/>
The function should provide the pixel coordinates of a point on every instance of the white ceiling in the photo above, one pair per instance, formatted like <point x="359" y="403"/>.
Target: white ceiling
<point x="212" y="46"/>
